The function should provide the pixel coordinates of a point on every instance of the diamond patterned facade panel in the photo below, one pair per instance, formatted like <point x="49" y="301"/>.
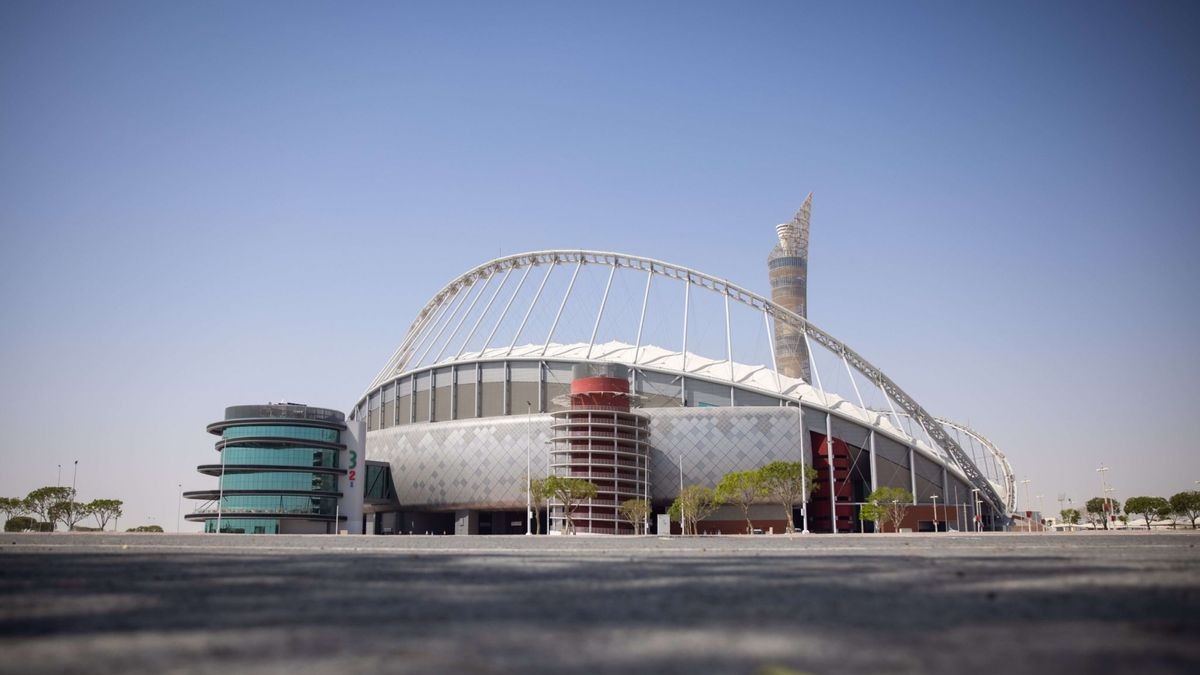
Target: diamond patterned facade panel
<point x="715" y="441"/>
<point x="476" y="464"/>
<point x="480" y="463"/>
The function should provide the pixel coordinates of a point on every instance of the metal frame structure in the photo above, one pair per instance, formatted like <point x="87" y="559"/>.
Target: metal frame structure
<point x="1006" y="470"/>
<point x="454" y="295"/>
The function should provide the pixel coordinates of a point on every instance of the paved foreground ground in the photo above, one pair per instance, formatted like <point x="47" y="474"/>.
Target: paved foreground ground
<point x="963" y="604"/>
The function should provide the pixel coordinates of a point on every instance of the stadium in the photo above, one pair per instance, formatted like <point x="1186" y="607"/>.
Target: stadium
<point x="643" y="376"/>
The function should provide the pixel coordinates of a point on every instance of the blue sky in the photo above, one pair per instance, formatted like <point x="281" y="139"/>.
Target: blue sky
<point x="214" y="203"/>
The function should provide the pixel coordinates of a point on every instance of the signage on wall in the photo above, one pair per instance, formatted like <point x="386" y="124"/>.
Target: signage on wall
<point x="352" y="472"/>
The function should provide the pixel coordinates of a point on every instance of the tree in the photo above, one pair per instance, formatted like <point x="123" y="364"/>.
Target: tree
<point x="1164" y="512"/>
<point x="145" y="528"/>
<point x="537" y="499"/>
<point x="40" y="501"/>
<point x="104" y="510"/>
<point x="744" y="489"/>
<point x="12" y="507"/>
<point x="1148" y="508"/>
<point x="694" y="504"/>
<point x="1070" y="516"/>
<point x="19" y="524"/>
<point x="1098" y="510"/>
<point x="1187" y="505"/>
<point x="569" y="492"/>
<point x="68" y="512"/>
<point x="889" y="504"/>
<point x="788" y="483"/>
<point x="872" y="511"/>
<point x="636" y="511"/>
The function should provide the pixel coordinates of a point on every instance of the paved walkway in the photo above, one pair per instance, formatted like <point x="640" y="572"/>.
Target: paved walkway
<point x="949" y="603"/>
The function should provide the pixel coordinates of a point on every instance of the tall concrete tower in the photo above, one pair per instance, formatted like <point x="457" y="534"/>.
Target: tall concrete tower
<point x="788" y="268"/>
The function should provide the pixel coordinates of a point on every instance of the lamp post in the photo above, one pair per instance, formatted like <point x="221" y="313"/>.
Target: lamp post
<point x="1028" y="510"/>
<point x="59" y="481"/>
<point x="1104" y="490"/>
<point x="528" y="470"/>
<point x="221" y="488"/>
<point x="682" y="515"/>
<point x="178" y="508"/>
<point x="935" y="520"/>
<point x="975" y="509"/>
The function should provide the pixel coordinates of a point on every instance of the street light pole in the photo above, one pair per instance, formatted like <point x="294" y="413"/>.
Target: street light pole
<point x="975" y="509"/>
<point x="221" y="487"/>
<point x="528" y="470"/>
<point x="682" y="515"/>
<point x="73" y="505"/>
<point x="178" y="508"/>
<point x="1028" y="510"/>
<point x="1104" y="490"/>
<point x="935" y="520"/>
<point x="58" y="483"/>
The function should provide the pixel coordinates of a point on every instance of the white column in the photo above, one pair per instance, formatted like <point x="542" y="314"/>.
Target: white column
<point x="350" y="484"/>
<point x="829" y="456"/>
<point x="637" y="347"/>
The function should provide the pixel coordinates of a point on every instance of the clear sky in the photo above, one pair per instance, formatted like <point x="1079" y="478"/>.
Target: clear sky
<point x="208" y="203"/>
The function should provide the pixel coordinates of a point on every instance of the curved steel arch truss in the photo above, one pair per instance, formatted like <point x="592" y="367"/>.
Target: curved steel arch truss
<point x="1006" y="470"/>
<point x="454" y="295"/>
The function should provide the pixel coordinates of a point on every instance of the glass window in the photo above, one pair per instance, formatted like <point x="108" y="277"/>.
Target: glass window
<point x="929" y="479"/>
<point x="850" y="432"/>
<point x="701" y="394"/>
<point x="282" y="431"/>
<point x="294" y="504"/>
<point x="266" y="455"/>
<point x="388" y="416"/>
<point x="558" y="386"/>
<point x="243" y="526"/>
<point x="404" y="401"/>
<point x="787" y="261"/>
<point x="743" y="397"/>
<point x="814" y="420"/>
<point x="373" y="411"/>
<point x="422" y="396"/>
<point x="379" y="485"/>
<point x="443" y="398"/>
<point x="491" y="389"/>
<point x="296" y="481"/>
<point x="659" y="390"/>
<point x="891" y="464"/>
<point x="464" y="394"/>
<point x="525" y="385"/>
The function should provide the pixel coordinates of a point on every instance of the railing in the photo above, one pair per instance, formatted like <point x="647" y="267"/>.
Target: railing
<point x="243" y="509"/>
<point x="595" y="408"/>
<point x="620" y="463"/>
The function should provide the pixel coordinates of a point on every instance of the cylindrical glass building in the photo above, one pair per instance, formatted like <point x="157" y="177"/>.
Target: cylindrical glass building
<point x="278" y="472"/>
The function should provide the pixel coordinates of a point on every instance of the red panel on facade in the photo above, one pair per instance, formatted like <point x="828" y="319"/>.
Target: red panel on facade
<point x="821" y="512"/>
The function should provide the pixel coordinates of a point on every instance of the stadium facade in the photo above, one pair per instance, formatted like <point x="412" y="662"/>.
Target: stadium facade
<point x="642" y="376"/>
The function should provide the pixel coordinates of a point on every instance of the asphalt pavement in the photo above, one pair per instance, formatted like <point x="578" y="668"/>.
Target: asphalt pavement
<point x="771" y="605"/>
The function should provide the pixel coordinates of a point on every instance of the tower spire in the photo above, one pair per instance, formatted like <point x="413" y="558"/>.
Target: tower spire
<point x="787" y="267"/>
